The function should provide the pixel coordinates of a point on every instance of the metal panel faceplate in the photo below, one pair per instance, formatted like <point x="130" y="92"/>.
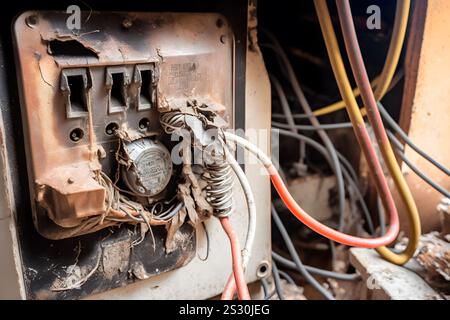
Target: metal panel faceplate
<point x="190" y="53"/>
<point x="70" y="96"/>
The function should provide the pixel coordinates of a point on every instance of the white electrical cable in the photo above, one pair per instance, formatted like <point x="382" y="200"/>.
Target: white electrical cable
<point x="250" y="147"/>
<point x="251" y="204"/>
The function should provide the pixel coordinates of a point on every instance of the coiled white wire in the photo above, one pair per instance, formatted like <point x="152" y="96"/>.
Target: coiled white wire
<point x="173" y="121"/>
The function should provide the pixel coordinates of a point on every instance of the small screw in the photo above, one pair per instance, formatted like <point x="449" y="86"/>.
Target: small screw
<point x="70" y="180"/>
<point x="111" y="128"/>
<point x="141" y="189"/>
<point x="76" y="134"/>
<point x="263" y="269"/>
<point x="31" y="21"/>
<point x="127" y="23"/>
<point x="144" y="123"/>
<point x="219" y="23"/>
<point x="223" y="39"/>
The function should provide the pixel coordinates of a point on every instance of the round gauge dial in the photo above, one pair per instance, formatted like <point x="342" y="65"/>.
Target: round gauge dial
<point x="152" y="168"/>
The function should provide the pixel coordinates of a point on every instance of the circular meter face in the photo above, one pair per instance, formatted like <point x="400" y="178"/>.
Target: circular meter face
<point x="152" y="167"/>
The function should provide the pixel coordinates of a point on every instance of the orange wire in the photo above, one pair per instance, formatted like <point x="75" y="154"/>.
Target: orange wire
<point x="303" y="216"/>
<point x="309" y="221"/>
<point x="322" y="229"/>
<point x="238" y="270"/>
<point x="230" y="289"/>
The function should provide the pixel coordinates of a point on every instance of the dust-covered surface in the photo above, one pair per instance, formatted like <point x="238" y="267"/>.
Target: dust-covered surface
<point x="105" y="260"/>
<point x="434" y="256"/>
<point x="289" y="291"/>
<point x="384" y="280"/>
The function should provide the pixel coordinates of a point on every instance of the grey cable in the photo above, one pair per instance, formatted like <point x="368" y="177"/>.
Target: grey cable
<point x="171" y="213"/>
<point x="267" y="294"/>
<point x="287" y="277"/>
<point x="284" y="103"/>
<point x="277" y="280"/>
<point x="287" y="112"/>
<point x="394" y="82"/>
<point x="207" y="243"/>
<point x="294" y="115"/>
<point x="351" y="171"/>
<point x="315" y="122"/>
<point x="320" y="272"/>
<point x="393" y="124"/>
<point x="381" y="216"/>
<point x="265" y="287"/>
<point x="348" y="167"/>
<point x="324" y="152"/>
<point x="294" y="255"/>
<point x="332" y="126"/>
<point x="398" y="145"/>
<point x="327" y="126"/>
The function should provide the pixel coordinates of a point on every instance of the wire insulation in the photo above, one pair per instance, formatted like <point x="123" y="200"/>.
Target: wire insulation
<point x="391" y="122"/>
<point x="230" y="287"/>
<point x="331" y="126"/>
<point x="395" y="48"/>
<point x="304" y="217"/>
<point x="238" y="270"/>
<point x="347" y="170"/>
<point x="290" y="246"/>
<point x="277" y="280"/>
<point x="320" y="272"/>
<point x="416" y="170"/>
<point x="362" y="80"/>
<point x="383" y="82"/>
<point x="315" y="122"/>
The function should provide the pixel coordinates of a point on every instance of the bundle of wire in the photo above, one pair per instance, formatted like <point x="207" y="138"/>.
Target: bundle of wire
<point x="395" y="129"/>
<point x="360" y="129"/>
<point x="304" y="216"/>
<point x="360" y="74"/>
<point x="363" y="138"/>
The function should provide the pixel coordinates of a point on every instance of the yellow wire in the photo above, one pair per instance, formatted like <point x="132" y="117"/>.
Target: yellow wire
<point x="395" y="48"/>
<point x="382" y="82"/>
<point x="356" y="117"/>
<point x="337" y="63"/>
<point x="339" y="105"/>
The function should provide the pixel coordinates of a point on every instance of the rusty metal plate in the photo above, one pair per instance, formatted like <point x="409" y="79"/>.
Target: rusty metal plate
<point x="70" y="99"/>
<point x="187" y="57"/>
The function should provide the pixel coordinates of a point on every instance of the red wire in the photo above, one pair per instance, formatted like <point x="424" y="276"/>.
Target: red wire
<point x="322" y="229"/>
<point x="300" y="214"/>
<point x="238" y="271"/>
<point x="230" y="289"/>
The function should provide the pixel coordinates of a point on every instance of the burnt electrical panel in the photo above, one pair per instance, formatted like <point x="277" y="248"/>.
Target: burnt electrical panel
<point x="109" y="204"/>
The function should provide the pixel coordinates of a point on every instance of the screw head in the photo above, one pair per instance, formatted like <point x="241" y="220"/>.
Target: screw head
<point x="263" y="269"/>
<point x="144" y="123"/>
<point x="219" y="23"/>
<point x="127" y="23"/>
<point x="32" y="21"/>
<point x="76" y="134"/>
